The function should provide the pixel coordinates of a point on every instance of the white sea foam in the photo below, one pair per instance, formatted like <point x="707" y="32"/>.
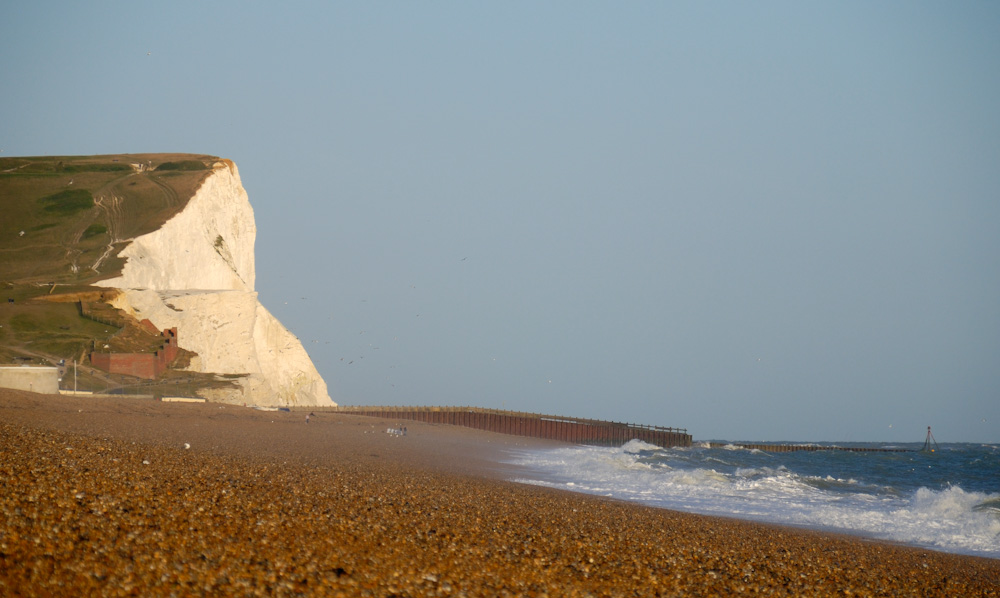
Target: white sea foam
<point x="952" y="519"/>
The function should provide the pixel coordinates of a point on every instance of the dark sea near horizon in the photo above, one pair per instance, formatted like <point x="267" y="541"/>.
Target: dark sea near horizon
<point x="947" y="500"/>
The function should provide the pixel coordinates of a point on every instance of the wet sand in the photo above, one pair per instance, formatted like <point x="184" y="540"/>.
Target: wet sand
<point x="104" y="497"/>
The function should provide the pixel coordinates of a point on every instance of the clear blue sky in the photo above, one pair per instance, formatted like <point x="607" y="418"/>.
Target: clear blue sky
<point x="774" y="221"/>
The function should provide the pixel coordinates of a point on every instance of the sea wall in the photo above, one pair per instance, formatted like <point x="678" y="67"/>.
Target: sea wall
<point x="41" y="379"/>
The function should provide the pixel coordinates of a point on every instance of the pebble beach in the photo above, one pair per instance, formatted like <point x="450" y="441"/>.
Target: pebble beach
<point x="134" y="497"/>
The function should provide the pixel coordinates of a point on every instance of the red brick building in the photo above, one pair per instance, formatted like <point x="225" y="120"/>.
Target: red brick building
<point x="141" y="365"/>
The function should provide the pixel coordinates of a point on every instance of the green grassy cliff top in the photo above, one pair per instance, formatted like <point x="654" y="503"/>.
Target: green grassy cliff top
<point x="65" y="218"/>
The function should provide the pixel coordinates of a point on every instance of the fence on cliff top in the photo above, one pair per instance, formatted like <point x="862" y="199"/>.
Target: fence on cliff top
<point x="533" y="425"/>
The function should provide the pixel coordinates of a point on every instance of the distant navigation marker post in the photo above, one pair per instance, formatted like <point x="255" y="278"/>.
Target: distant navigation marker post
<point x="930" y="445"/>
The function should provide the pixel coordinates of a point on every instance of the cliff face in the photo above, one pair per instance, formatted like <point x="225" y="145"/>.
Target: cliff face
<point x="208" y="245"/>
<point x="196" y="273"/>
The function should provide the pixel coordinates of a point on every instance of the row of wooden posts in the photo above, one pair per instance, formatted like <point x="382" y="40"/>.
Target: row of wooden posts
<point x="791" y="448"/>
<point x="567" y="429"/>
<point x="534" y="425"/>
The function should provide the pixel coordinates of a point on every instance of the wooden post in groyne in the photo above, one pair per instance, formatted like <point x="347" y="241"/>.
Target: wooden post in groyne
<point x="534" y="425"/>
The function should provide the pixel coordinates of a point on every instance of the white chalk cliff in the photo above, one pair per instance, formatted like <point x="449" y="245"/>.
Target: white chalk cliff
<point x="196" y="272"/>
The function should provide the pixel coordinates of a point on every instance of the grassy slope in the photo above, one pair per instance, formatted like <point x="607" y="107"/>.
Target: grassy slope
<point x="65" y="219"/>
<point x="64" y="240"/>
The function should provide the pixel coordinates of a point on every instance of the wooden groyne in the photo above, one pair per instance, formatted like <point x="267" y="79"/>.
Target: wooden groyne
<point x="789" y="448"/>
<point x="533" y="425"/>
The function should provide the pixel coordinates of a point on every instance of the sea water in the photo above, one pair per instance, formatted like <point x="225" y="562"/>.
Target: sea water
<point x="948" y="500"/>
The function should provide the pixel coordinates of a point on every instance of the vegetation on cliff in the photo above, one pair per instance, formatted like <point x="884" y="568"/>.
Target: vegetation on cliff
<point x="66" y="218"/>
<point x="65" y="221"/>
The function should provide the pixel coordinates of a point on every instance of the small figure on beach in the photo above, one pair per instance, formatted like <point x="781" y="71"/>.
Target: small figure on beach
<point x="307" y="418"/>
